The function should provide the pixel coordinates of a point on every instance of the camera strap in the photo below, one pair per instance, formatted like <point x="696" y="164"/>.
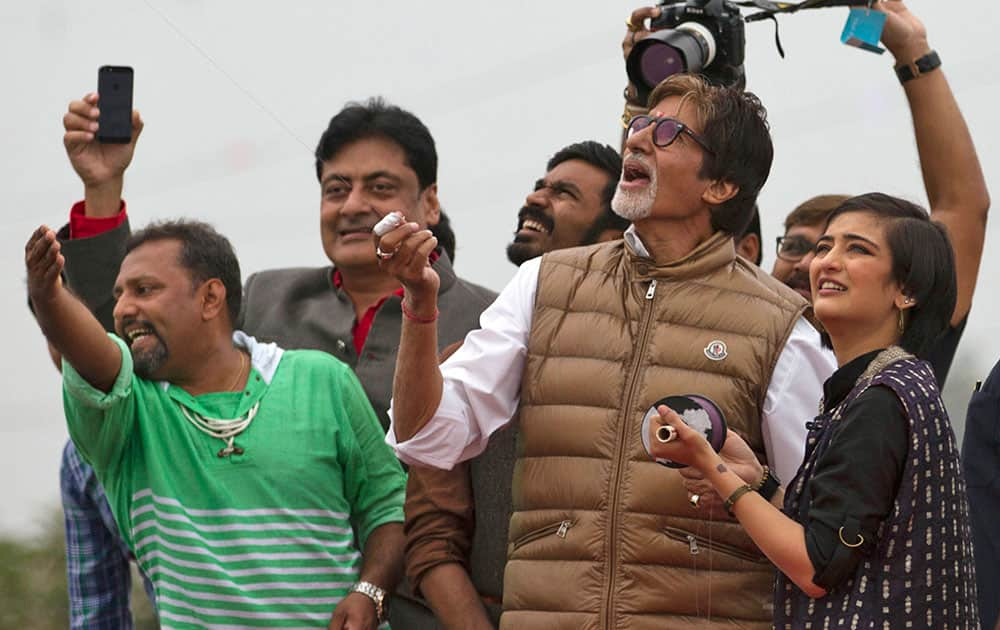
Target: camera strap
<point x="769" y="11"/>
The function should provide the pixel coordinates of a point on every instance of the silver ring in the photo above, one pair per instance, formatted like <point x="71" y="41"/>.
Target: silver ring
<point x="694" y="499"/>
<point x="384" y="255"/>
<point x="666" y="433"/>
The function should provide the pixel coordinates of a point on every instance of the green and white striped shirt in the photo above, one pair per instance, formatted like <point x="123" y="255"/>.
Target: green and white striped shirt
<point x="266" y="538"/>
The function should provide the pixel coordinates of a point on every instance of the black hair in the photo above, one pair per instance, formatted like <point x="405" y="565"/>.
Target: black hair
<point x="604" y="157"/>
<point x="923" y="265"/>
<point x="205" y="253"/>
<point x="445" y="235"/>
<point x="754" y="228"/>
<point x="377" y="119"/>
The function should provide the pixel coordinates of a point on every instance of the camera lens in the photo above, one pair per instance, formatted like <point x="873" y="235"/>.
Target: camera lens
<point x="688" y="48"/>
<point x="656" y="63"/>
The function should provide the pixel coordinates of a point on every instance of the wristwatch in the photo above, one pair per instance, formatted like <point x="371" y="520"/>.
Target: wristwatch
<point x="768" y="484"/>
<point x="376" y="594"/>
<point x="917" y="67"/>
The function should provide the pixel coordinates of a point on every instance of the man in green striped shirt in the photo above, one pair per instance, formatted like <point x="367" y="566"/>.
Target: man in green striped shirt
<point x="252" y="483"/>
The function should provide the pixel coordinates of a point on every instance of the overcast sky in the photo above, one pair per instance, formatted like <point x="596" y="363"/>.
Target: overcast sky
<point x="236" y="94"/>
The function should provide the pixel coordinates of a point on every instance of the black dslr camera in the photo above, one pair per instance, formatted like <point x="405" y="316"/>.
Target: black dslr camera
<point x="703" y="37"/>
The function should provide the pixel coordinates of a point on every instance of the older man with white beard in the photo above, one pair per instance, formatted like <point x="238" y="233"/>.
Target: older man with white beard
<point x="584" y="341"/>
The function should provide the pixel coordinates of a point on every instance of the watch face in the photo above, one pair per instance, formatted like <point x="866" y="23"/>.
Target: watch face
<point x="698" y="412"/>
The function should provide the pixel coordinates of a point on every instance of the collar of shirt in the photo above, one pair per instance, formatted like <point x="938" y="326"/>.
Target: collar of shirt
<point x="843" y="380"/>
<point x="363" y="326"/>
<point x="632" y="238"/>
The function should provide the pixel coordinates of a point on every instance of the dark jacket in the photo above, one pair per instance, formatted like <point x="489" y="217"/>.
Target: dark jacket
<point x="981" y="464"/>
<point x="301" y="308"/>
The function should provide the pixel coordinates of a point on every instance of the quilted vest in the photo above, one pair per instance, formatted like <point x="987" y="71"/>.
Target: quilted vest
<point x="921" y="572"/>
<point x="601" y="536"/>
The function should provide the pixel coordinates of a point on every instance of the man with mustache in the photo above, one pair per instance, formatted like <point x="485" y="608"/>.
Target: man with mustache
<point x="246" y="479"/>
<point x="372" y="159"/>
<point x="456" y="520"/>
<point x="582" y="342"/>
<point x="571" y="205"/>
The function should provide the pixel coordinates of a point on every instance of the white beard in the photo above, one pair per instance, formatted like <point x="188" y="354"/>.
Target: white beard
<point x="635" y="205"/>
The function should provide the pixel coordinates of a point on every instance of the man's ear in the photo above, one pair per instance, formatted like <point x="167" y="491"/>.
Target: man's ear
<point x="749" y="247"/>
<point x="719" y="192"/>
<point x="213" y="299"/>
<point x="432" y="207"/>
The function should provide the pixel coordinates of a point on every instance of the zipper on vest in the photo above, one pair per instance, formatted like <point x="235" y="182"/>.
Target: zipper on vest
<point x="693" y="545"/>
<point x="624" y="425"/>
<point x="560" y="529"/>
<point x="696" y="544"/>
<point x="563" y="528"/>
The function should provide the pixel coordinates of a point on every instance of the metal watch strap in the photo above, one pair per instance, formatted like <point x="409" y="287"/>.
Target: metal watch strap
<point x="374" y="593"/>
<point x="921" y="65"/>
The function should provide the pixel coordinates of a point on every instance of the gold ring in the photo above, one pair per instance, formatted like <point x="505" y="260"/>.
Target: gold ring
<point x="694" y="499"/>
<point x="861" y="539"/>
<point x="631" y="27"/>
<point x="384" y="255"/>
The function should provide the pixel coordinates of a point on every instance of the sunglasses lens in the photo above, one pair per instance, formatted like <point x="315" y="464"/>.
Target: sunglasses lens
<point x="665" y="132"/>
<point x="638" y="124"/>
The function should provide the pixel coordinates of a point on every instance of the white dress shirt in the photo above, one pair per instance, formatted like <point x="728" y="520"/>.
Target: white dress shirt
<point x="482" y="383"/>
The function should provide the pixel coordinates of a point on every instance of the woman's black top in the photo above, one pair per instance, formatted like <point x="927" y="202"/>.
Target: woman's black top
<point x="857" y="477"/>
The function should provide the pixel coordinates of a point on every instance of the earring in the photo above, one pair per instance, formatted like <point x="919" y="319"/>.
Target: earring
<point x="902" y="324"/>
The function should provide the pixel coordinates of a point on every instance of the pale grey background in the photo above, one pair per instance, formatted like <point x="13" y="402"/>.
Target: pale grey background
<point x="502" y="85"/>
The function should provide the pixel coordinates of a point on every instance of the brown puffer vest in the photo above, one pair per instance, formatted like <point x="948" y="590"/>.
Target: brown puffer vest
<point x="601" y="537"/>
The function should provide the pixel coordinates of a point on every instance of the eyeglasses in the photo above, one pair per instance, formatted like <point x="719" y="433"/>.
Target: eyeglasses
<point x="665" y="131"/>
<point x="794" y="248"/>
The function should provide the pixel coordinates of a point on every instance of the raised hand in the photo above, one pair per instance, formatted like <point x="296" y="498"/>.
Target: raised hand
<point x="636" y="27"/>
<point x="904" y="34"/>
<point x="101" y="166"/>
<point x="403" y="252"/>
<point x="44" y="264"/>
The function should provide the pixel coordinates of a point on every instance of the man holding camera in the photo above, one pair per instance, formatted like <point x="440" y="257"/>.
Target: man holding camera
<point x="579" y="346"/>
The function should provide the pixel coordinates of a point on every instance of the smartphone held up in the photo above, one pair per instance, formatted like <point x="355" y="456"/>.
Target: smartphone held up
<point x="114" y="89"/>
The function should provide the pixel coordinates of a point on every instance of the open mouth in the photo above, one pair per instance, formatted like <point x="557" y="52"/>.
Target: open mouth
<point x="828" y="286"/>
<point x="137" y="333"/>
<point x="533" y="226"/>
<point x="634" y="172"/>
<point x="533" y="220"/>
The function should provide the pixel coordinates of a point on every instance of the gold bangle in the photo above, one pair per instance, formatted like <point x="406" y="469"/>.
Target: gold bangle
<point x="735" y="496"/>
<point x="861" y="539"/>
